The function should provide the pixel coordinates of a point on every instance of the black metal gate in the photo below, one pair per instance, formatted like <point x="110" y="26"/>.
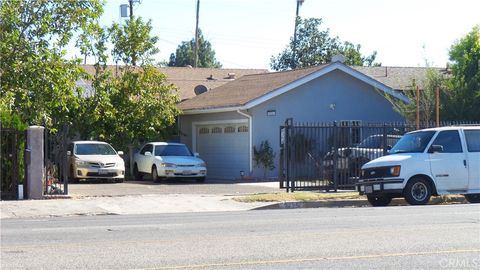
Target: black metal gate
<point x="12" y="163"/>
<point x="56" y="171"/>
<point x="329" y="156"/>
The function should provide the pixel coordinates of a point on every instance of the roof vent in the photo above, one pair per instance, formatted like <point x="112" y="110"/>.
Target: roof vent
<point x="231" y="75"/>
<point x="200" y="89"/>
<point x="338" y="58"/>
<point x="211" y="77"/>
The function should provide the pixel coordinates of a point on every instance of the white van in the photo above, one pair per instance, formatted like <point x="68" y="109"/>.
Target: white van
<point x="436" y="161"/>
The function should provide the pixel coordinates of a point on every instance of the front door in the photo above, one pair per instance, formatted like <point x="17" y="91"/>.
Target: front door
<point x="449" y="167"/>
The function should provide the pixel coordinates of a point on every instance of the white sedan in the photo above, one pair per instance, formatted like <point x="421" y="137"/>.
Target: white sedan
<point x="168" y="160"/>
<point x="94" y="159"/>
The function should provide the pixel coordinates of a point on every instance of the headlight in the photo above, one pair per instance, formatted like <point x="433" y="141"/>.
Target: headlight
<point x="168" y="165"/>
<point x="81" y="162"/>
<point x="202" y="164"/>
<point x="394" y="171"/>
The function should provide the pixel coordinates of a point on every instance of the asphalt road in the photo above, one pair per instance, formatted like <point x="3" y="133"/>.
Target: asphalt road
<point x="422" y="237"/>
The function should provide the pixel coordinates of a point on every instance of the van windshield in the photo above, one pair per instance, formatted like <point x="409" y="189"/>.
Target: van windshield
<point x="415" y="142"/>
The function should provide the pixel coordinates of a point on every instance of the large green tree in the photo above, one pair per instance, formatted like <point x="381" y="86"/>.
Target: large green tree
<point x="37" y="80"/>
<point x="315" y="46"/>
<point x="134" y="104"/>
<point x="185" y="54"/>
<point x="462" y="101"/>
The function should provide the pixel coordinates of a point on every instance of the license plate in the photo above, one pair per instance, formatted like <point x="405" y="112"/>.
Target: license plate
<point x="187" y="172"/>
<point x="102" y="172"/>
<point x="368" y="189"/>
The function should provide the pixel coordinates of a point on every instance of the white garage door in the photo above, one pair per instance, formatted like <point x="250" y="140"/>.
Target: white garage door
<point x="224" y="148"/>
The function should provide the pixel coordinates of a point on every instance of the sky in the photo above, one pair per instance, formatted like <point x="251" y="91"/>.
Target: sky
<point x="247" y="33"/>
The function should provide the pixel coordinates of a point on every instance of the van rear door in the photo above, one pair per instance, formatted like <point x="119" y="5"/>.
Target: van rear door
<point x="472" y="138"/>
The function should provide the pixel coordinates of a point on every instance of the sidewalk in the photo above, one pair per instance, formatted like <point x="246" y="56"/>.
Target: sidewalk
<point x="123" y="205"/>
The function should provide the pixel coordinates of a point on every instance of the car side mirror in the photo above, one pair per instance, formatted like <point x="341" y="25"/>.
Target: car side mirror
<point x="389" y="147"/>
<point x="148" y="154"/>
<point x="435" y="149"/>
<point x="120" y="153"/>
<point x="196" y="154"/>
<point x="69" y="153"/>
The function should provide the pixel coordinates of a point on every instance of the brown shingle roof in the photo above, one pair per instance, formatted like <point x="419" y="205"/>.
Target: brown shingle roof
<point x="187" y="78"/>
<point x="245" y="89"/>
<point x="397" y="78"/>
<point x="250" y="87"/>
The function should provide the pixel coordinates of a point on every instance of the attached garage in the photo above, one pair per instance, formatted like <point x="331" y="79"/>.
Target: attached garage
<point x="224" y="148"/>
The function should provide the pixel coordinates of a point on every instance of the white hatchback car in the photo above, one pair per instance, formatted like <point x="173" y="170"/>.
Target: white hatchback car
<point x="168" y="160"/>
<point x="94" y="159"/>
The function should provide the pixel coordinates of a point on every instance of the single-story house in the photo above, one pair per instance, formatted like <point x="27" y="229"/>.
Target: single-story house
<point x="224" y="124"/>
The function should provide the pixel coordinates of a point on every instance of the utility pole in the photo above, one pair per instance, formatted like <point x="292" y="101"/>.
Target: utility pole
<point x="437" y="109"/>
<point x="130" y="4"/>
<point x="418" y="108"/>
<point x="294" y="52"/>
<point x="195" y="56"/>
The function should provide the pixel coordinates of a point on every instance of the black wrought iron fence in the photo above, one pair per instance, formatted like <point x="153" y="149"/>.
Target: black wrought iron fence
<point x="329" y="156"/>
<point x="12" y="163"/>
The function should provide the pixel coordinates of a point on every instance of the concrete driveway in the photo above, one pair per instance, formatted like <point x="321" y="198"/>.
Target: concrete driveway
<point x="210" y="187"/>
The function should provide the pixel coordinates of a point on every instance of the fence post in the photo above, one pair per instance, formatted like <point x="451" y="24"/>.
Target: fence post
<point x="35" y="165"/>
<point x="335" y="155"/>
<point x="385" y="146"/>
<point x="287" y="154"/>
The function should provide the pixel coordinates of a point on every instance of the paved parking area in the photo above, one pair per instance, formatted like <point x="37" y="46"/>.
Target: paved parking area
<point x="95" y="188"/>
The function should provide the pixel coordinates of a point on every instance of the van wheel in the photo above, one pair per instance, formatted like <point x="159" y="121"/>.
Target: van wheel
<point x="136" y="173"/>
<point x="473" y="198"/>
<point x="417" y="191"/>
<point x="379" y="200"/>
<point x="154" y="174"/>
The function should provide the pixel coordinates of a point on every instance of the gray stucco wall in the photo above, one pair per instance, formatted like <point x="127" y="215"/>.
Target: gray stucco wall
<point x="311" y="102"/>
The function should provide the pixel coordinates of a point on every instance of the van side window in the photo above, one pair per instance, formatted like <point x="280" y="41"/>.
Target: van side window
<point x="450" y="140"/>
<point x="473" y="140"/>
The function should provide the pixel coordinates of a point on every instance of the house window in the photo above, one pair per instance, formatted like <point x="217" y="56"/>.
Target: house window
<point x="216" y="130"/>
<point x="229" y="130"/>
<point x="204" y="130"/>
<point x="243" y="129"/>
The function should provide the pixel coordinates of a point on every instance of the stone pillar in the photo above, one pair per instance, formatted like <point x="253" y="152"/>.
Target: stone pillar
<point x="35" y="162"/>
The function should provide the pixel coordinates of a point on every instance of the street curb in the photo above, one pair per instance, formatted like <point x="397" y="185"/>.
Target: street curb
<point x="352" y="203"/>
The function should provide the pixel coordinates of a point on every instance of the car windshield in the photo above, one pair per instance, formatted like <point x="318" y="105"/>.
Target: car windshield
<point x="371" y="142"/>
<point x="94" y="149"/>
<point x="172" y="150"/>
<point x="415" y="142"/>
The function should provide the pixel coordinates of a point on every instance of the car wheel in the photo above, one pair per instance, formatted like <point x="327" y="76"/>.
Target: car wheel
<point x="379" y="200"/>
<point x="119" y="180"/>
<point x="136" y="174"/>
<point x="200" y="180"/>
<point x="154" y="174"/>
<point x="71" y="178"/>
<point x="473" y="198"/>
<point x="417" y="191"/>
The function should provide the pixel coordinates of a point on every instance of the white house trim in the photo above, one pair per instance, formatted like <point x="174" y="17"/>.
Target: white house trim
<point x="213" y="110"/>
<point x="250" y="140"/>
<point x="334" y="66"/>
<point x="216" y="122"/>
<point x="352" y="72"/>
